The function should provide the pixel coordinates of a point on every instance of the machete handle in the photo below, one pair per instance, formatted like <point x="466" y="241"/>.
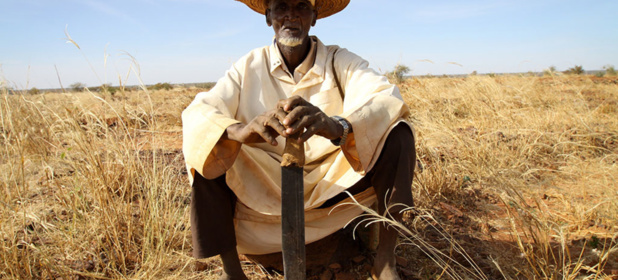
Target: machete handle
<point x="294" y="152"/>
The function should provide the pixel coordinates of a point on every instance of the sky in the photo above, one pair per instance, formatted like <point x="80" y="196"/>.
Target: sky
<point x="195" y="41"/>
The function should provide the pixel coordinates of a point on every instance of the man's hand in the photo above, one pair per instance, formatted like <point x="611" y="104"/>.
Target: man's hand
<point x="263" y="128"/>
<point x="303" y="116"/>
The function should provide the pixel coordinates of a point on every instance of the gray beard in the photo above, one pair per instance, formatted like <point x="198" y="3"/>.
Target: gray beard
<point x="290" y="41"/>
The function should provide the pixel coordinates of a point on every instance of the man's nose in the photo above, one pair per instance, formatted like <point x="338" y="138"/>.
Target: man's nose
<point x="291" y="14"/>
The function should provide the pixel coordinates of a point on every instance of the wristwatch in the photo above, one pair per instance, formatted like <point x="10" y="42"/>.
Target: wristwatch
<point x="346" y="128"/>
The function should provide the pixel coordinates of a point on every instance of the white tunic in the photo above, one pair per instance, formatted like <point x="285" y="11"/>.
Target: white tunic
<point x="254" y="85"/>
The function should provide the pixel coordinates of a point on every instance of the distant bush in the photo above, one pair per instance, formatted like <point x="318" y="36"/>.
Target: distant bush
<point x="397" y="75"/>
<point x="77" y="86"/>
<point x="108" y="88"/>
<point x="550" y="71"/>
<point x="4" y="89"/>
<point x="575" y="70"/>
<point x="34" y="91"/>
<point x="105" y="88"/>
<point x="610" y="70"/>
<point x="161" y="86"/>
<point x="206" y="86"/>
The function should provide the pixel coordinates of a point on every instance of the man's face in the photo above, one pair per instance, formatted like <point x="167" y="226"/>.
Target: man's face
<point x="291" y="20"/>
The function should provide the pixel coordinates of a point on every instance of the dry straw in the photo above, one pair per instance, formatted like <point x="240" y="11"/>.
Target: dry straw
<point x="518" y="181"/>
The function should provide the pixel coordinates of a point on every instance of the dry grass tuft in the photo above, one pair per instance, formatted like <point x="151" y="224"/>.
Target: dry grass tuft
<point x="87" y="189"/>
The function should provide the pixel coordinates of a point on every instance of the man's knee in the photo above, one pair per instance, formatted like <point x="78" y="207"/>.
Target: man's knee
<point x="400" y="141"/>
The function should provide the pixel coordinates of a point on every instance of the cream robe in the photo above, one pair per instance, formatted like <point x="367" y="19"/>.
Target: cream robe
<point x="254" y="85"/>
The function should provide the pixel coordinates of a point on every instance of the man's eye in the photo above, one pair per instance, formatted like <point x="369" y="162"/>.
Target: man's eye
<point x="303" y="6"/>
<point x="281" y="7"/>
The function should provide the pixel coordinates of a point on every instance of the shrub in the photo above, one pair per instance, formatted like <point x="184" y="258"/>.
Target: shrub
<point x="105" y="88"/>
<point x="575" y="70"/>
<point x="549" y="71"/>
<point x="109" y="89"/>
<point x="34" y="91"/>
<point x="4" y="89"/>
<point x="161" y="86"/>
<point x="397" y="75"/>
<point x="77" y="86"/>
<point x="610" y="70"/>
<point x="206" y="86"/>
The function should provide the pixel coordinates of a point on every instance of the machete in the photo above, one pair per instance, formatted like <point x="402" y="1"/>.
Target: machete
<point x="293" y="209"/>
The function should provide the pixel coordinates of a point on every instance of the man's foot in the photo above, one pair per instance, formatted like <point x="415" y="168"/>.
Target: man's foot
<point x="384" y="270"/>
<point x="225" y="276"/>
<point x="232" y="270"/>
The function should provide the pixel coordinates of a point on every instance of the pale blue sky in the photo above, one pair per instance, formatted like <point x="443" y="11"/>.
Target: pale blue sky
<point x="183" y="41"/>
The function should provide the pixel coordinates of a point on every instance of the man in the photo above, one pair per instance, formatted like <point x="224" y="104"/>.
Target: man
<point x="353" y="128"/>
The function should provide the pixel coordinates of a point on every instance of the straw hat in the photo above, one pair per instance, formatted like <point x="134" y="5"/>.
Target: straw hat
<point x="324" y="7"/>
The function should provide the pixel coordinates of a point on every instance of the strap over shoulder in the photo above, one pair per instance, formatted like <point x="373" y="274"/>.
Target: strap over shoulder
<point x="341" y="92"/>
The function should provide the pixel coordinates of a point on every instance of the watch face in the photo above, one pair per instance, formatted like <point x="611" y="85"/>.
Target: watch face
<point x="346" y="128"/>
<point x="342" y="121"/>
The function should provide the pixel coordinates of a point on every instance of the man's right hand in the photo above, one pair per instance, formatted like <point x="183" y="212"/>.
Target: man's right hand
<point x="263" y="128"/>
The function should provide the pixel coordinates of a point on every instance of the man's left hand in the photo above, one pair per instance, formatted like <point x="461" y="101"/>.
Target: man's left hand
<point x="304" y="116"/>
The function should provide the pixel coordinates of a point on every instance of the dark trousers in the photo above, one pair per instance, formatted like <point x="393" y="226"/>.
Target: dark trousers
<point x="213" y="203"/>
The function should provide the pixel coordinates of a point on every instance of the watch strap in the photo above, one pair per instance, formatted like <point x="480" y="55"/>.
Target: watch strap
<point x="346" y="129"/>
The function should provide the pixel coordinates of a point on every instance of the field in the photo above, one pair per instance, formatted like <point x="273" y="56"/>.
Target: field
<point x="516" y="179"/>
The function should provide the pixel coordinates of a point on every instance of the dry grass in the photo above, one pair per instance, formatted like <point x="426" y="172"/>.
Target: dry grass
<point x="526" y="167"/>
<point x="518" y="181"/>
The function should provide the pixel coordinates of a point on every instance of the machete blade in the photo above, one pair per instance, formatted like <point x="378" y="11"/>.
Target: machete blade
<point x="293" y="209"/>
<point x="293" y="222"/>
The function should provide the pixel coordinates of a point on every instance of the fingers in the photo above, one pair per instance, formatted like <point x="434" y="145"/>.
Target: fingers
<point x="310" y="131"/>
<point x="279" y="114"/>
<point x="293" y="117"/>
<point x="268" y="135"/>
<point x="295" y="123"/>
<point x="303" y="117"/>
<point x="266" y="130"/>
<point x="296" y="114"/>
<point x="310" y="124"/>
<point x="268" y="126"/>
<point x="287" y="105"/>
<point x="275" y="124"/>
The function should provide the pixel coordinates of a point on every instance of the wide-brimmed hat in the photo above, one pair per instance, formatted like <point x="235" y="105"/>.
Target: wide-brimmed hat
<point x="324" y="7"/>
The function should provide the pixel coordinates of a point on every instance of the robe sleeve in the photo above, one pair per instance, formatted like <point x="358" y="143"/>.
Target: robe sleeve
<point x="371" y="104"/>
<point x="205" y="120"/>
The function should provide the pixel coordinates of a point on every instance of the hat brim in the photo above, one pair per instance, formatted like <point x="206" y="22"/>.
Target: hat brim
<point x="325" y="8"/>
